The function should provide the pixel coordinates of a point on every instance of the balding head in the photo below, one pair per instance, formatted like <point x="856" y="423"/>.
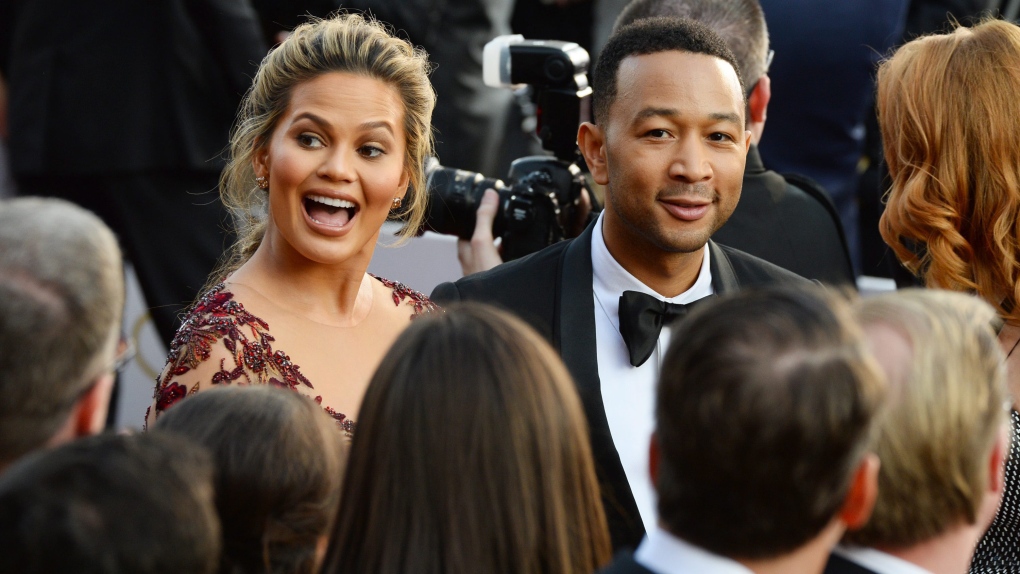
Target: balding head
<point x="61" y="302"/>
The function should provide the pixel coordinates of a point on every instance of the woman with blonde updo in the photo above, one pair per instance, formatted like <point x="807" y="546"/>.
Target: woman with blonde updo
<point x="330" y="142"/>
<point x="949" y="112"/>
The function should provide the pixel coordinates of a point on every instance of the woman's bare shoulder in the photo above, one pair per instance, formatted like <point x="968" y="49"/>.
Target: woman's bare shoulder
<point x="404" y="297"/>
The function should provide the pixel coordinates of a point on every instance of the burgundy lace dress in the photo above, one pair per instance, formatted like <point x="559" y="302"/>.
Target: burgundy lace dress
<point x="218" y="319"/>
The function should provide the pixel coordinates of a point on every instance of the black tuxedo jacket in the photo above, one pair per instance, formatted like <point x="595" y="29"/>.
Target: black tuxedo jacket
<point x="839" y="565"/>
<point x="114" y="86"/>
<point x="624" y="563"/>
<point x="790" y="222"/>
<point x="552" y="290"/>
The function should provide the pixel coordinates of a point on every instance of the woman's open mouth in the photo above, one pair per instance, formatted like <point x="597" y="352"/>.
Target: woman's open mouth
<point x="329" y="211"/>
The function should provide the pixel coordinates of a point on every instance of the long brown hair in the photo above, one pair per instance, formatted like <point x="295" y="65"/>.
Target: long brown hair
<point x="950" y="123"/>
<point x="471" y="455"/>
<point x="279" y="461"/>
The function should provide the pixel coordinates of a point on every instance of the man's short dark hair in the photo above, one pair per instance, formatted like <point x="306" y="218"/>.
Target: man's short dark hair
<point x="740" y="23"/>
<point x="765" y="410"/>
<point x="651" y="36"/>
<point x="111" y="504"/>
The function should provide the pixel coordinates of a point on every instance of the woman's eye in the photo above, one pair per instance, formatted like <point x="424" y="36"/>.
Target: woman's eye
<point x="370" y="151"/>
<point x="310" y="141"/>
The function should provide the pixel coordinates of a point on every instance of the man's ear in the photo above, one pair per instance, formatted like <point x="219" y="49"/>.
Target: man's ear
<point x="653" y="459"/>
<point x="758" y="101"/>
<point x="91" y="409"/>
<point x="997" y="461"/>
<point x="757" y="106"/>
<point x="996" y="478"/>
<point x="592" y="142"/>
<point x="861" y="496"/>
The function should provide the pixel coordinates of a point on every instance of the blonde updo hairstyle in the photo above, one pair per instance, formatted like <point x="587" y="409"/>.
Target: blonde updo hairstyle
<point x="349" y="43"/>
<point x="950" y="122"/>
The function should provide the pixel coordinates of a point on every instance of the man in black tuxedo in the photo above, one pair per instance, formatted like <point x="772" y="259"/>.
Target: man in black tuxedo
<point x="943" y="442"/>
<point x="125" y="108"/>
<point x="763" y="425"/>
<point x="787" y="220"/>
<point x="669" y="144"/>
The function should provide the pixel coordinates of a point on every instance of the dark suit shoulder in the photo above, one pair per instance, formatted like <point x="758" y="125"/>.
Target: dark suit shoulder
<point x="624" y="563"/>
<point x="751" y="270"/>
<point x="839" y="565"/>
<point x="538" y="267"/>
<point x="791" y="222"/>
<point x="527" y="287"/>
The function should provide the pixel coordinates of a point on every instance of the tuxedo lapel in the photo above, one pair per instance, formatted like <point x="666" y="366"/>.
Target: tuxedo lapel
<point x="574" y="336"/>
<point x="574" y="328"/>
<point x="724" y="278"/>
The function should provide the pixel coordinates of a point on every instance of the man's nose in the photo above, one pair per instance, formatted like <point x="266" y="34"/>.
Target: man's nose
<point x="690" y="162"/>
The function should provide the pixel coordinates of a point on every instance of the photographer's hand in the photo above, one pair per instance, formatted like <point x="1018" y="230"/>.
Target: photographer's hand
<point x="581" y="216"/>
<point x="481" y="253"/>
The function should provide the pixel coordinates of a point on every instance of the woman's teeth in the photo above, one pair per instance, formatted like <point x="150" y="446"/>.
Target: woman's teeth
<point x="332" y="202"/>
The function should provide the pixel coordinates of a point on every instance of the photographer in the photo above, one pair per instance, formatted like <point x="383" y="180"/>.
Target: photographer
<point x="480" y="253"/>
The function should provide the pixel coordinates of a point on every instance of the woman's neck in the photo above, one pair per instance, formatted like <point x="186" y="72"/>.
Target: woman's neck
<point x="338" y="294"/>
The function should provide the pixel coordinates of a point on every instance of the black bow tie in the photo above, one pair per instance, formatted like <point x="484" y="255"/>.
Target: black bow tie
<point x="641" y="320"/>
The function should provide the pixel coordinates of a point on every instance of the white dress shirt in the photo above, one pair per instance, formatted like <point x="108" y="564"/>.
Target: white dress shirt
<point x="663" y="553"/>
<point x="878" y="561"/>
<point x="628" y="392"/>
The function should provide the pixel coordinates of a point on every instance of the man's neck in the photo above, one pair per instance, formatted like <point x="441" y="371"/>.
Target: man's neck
<point x="947" y="553"/>
<point x="668" y="274"/>
<point x="809" y="558"/>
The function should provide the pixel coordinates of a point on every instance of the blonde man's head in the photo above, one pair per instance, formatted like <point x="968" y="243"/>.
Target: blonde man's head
<point x="947" y="397"/>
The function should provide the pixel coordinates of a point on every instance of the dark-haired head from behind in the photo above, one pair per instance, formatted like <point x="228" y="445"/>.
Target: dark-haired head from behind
<point x="651" y="36"/>
<point x="110" y="504"/>
<point x="471" y="455"/>
<point x="764" y="421"/>
<point x="279" y="461"/>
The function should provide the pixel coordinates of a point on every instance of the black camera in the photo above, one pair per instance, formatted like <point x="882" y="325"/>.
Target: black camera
<point x="540" y="192"/>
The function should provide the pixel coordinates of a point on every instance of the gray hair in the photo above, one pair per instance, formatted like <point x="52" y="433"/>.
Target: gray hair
<point x="740" y="23"/>
<point x="61" y="302"/>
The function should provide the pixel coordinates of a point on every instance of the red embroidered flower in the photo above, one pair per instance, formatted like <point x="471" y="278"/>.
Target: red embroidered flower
<point x="170" y="394"/>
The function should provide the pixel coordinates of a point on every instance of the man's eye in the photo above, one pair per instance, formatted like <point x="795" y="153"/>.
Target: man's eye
<point x="657" y="133"/>
<point x="721" y="137"/>
<point x="309" y="141"/>
<point x="370" y="151"/>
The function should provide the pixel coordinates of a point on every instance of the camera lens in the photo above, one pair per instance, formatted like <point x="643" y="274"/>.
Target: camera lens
<point x="454" y="195"/>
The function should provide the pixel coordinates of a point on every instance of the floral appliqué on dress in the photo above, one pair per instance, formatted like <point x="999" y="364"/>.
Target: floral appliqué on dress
<point x="216" y="318"/>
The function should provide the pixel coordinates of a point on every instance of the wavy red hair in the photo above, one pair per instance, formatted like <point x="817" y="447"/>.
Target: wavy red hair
<point x="949" y="110"/>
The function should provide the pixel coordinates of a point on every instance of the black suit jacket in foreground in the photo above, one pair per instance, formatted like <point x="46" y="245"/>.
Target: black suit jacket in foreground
<point x="552" y="290"/>
<point x="624" y="563"/>
<point x="839" y="565"/>
<point x="790" y="222"/>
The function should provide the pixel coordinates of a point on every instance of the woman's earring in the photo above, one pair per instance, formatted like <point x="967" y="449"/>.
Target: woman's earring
<point x="397" y="203"/>
<point x="262" y="181"/>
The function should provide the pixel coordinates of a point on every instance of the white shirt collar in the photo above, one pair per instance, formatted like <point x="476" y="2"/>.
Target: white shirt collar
<point x="663" y="553"/>
<point x="878" y="561"/>
<point x="611" y="279"/>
